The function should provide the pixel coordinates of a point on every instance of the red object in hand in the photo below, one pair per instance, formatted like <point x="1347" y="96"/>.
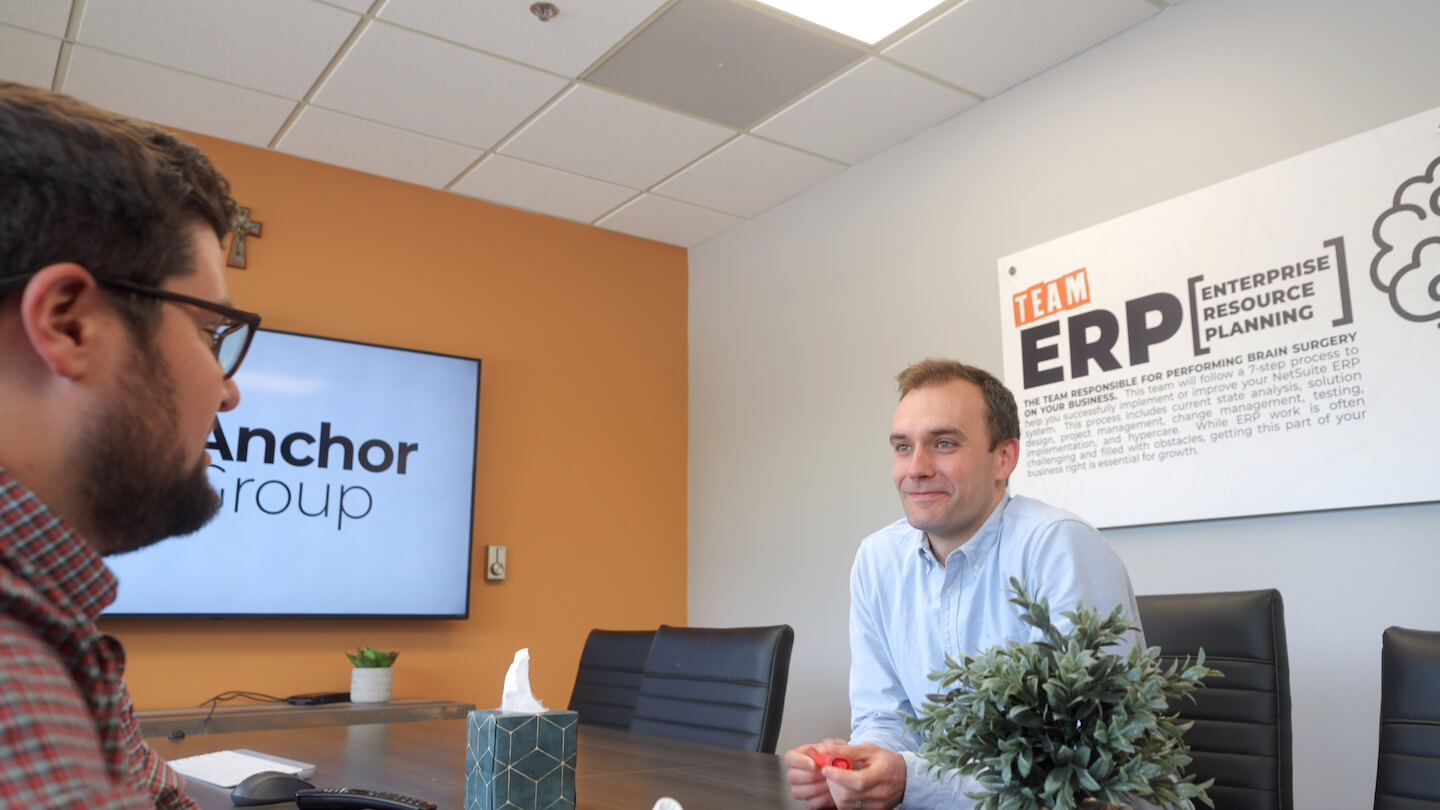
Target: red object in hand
<point x="843" y="763"/>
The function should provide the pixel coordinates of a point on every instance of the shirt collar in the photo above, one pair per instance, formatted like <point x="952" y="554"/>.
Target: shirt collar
<point x="976" y="547"/>
<point x="44" y="551"/>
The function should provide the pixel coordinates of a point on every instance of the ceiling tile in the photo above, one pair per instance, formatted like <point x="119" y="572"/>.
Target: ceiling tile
<point x="365" y="146"/>
<point x="357" y="6"/>
<point x="27" y="57"/>
<point x="279" y="46"/>
<point x="417" y="82"/>
<point x="988" y="46"/>
<point x="747" y="176"/>
<point x="567" y="44"/>
<point x="42" y="16"/>
<point x="173" y="98"/>
<point x="540" y="188"/>
<point x="723" y="61"/>
<point x="867" y="110"/>
<point x="610" y="137"/>
<point x="666" y="220"/>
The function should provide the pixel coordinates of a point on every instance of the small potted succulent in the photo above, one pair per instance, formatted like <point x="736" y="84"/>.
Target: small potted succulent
<point x="1059" y="723"/>
<point x="372" y="678"/>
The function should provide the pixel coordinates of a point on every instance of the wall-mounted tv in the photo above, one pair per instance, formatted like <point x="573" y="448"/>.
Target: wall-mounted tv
<point x="347" y="481"/>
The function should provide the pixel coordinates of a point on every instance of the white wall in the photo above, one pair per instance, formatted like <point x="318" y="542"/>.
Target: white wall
<point x="800" y="318"/>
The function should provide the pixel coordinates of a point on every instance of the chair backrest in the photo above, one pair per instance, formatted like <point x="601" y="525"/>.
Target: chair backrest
<point x="609" y="676"/>
<point x="724" y="686"/>
<point x="1408" y="775"/>
<point x="1241" y="736"/>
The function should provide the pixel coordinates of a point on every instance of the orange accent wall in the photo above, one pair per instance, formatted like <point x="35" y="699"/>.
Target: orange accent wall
<point x="582" y="436"/>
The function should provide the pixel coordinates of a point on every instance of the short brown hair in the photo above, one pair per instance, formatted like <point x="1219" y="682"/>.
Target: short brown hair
<point x="116" y="196"/>
<point x="1002" y="419"/>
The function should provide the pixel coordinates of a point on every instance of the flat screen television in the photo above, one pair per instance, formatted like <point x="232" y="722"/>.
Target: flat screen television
<point x="347" y="481"/>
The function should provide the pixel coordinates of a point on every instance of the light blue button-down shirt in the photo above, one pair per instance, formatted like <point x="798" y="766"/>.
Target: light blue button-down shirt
<point x="907" y="612"/>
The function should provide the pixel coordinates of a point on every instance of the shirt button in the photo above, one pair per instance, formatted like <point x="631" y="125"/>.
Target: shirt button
<point x="949" y="591"/>
<point x="974" y="568"/>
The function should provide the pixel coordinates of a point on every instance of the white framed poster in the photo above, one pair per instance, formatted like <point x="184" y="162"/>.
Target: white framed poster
<point x="1265" y="345"/>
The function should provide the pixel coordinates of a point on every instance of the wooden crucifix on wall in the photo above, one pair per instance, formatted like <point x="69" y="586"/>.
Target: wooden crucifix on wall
<point x="243" y="227"/>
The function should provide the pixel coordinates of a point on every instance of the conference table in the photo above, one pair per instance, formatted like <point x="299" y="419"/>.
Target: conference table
<point x="614" y="770"/>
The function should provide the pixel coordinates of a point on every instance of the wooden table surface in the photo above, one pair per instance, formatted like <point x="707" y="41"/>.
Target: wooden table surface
<point x="614" y="770"/>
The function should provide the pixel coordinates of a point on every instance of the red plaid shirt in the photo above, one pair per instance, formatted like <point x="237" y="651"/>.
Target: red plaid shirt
<point x="68" y="734"/>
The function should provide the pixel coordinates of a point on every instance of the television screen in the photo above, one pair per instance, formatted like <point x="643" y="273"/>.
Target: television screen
<point x="347" y="479"/>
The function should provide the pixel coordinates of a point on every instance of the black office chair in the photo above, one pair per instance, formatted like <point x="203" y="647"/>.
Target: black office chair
<point x="609" y="676"/>
<point x="724" y="686"/>
<point x="1241" y="735"/>
<point x="1408" y="775"/>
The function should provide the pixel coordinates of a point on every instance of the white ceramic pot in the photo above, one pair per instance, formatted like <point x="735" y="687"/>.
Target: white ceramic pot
<point x="371" y="684"/>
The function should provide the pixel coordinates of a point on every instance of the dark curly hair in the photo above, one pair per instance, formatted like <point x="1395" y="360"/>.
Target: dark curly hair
<point x="116" y="196"/>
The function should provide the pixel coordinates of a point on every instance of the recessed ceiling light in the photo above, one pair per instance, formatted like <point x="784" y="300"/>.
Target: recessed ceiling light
<point x="866" y="20"/>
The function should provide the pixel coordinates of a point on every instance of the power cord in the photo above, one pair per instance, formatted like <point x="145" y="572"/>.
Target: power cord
<point x="258" y="697"/>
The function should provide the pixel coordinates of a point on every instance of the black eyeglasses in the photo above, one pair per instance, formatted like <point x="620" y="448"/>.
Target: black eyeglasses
<point x="232" y="337"/>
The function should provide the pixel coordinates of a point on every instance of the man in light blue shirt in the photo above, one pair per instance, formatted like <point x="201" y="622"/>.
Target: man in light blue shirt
<point x="934" y="584"/>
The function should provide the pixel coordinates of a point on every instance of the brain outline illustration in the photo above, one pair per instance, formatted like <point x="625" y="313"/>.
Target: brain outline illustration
<point x="1407" y="265"/>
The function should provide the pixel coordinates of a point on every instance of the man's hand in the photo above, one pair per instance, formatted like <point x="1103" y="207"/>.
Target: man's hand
<point x="807" y="780"/>
<point x="877" y="783"/>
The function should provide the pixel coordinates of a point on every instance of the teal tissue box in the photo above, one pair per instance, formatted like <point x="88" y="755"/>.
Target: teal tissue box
<point x="520" y="761"/>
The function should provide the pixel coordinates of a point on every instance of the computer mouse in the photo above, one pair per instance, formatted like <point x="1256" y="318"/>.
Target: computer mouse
<point x="267" y="787"/>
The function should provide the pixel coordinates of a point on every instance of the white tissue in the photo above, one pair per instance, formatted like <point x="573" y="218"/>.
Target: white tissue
<point x="517" y="696"/>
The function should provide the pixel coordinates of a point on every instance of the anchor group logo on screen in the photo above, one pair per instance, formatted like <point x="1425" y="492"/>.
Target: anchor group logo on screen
<point x="330" y="451"/>
<point x="1407" y="265"/>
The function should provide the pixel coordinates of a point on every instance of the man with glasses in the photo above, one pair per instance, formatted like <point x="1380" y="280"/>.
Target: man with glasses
<point x="118" y="347"/>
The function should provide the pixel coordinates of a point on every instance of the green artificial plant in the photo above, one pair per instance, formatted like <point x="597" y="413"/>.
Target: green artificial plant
<point x="1058" y="723"/>
<point x="366" y="657"/>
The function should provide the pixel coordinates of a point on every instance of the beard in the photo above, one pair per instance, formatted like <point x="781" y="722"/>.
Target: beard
<point x="137" y="484"/>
